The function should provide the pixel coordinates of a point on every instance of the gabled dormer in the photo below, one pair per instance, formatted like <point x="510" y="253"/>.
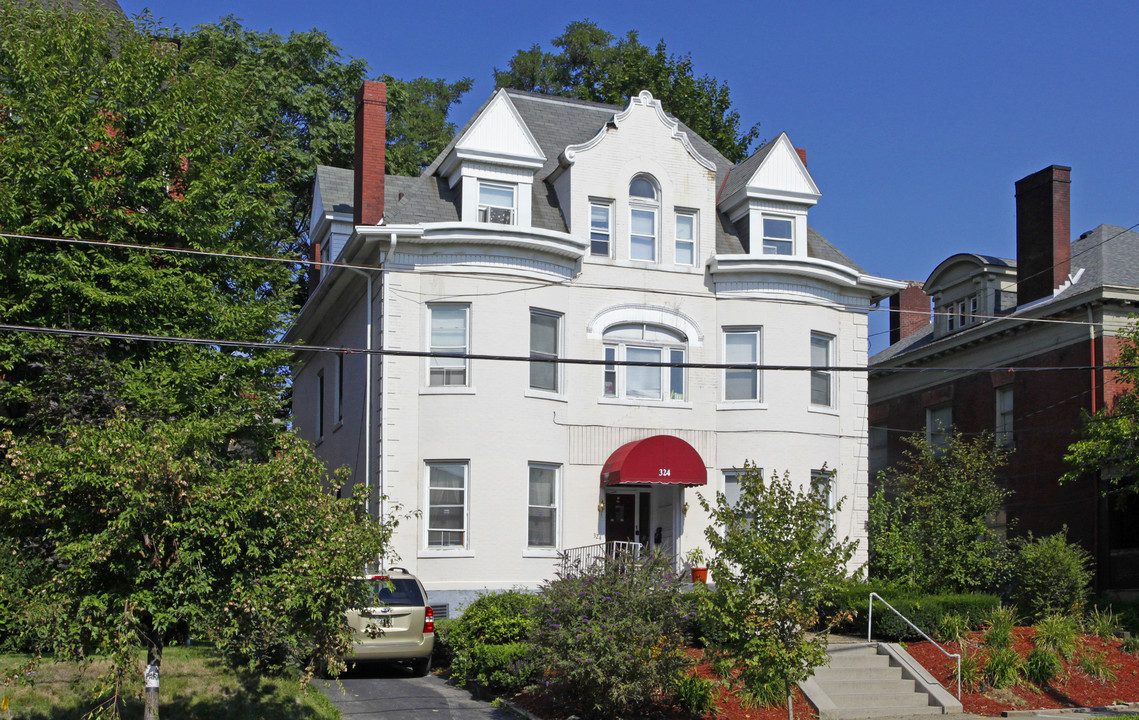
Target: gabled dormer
<point x="493" y="164"/>
<point x="767" y="197"/>
<point x="968" y="289"/>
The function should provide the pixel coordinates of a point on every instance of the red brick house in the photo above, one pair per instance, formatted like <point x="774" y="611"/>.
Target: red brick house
<point x="1058" y="305"/>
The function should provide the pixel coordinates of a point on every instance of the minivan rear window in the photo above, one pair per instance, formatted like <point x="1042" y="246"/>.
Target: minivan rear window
<point x="400" y="591"/>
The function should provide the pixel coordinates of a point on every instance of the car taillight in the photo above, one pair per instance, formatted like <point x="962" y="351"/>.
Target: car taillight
<point x="428" y="620"/>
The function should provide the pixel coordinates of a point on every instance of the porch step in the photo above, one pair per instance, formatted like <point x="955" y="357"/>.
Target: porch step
<point x="865" y="680"/>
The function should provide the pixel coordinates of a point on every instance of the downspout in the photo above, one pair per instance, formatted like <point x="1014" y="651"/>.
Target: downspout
<point x="1096" y="495"/>
<point x="384" y="373"/>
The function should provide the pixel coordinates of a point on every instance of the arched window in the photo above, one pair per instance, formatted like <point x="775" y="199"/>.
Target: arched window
<point x="644" y="218"/>
<point x="639" y="342"/>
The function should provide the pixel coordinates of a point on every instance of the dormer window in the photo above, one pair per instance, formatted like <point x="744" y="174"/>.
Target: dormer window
<point x="778" y="236"/>
<point x="644" y="212"/>
<point x="496" y="203"/>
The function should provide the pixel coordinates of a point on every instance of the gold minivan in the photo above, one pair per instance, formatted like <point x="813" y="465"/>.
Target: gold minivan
<point x="396" y="622"/>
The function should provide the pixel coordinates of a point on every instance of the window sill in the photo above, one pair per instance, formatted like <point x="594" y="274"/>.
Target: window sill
<point x="823" y="410"/>
<point x="339" y="424"/>
<point x="669" y="404"/>
<point x="447" y="390"/>
<point x="459" y="553"/>
<point x="741" y="405"/>
<point x="541" y="553"/>
<point x="545" y="395"/>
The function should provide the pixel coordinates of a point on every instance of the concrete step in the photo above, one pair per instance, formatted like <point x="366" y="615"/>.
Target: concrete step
<point x="865" y="659"/>
<point x="880" y="700"/>
<point x="867" y="687"/>
<point x="860" y="713"/>
<point x="857" y="673"/>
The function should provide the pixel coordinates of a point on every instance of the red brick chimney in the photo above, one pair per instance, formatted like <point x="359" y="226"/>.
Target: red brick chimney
<point x="1043" y="232"/>
<point x="371" y="142"/>
<point x="802" y="155"/>
<point x="909" y="311"/>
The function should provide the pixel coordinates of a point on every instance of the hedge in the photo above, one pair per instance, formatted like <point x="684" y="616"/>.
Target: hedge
<point x="925" y="611"/>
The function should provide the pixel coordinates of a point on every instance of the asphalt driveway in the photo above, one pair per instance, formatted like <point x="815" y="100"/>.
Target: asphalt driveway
<point x="389" y="692"/>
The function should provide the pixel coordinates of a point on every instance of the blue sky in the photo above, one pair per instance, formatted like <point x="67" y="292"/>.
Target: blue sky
<point x="917" y="117"/>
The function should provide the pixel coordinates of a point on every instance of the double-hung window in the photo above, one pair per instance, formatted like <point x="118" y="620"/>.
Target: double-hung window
<point x="447" y="498"/>
<point x="822" y="378"/>
<point x="1004" y="416"/>
<point x="544" y="339"/>
<point x="638" y="342"/>
<point x="496" y="203"/>
<point x="449" y="334"/>
<point x="778" y="236"/>
<point x="644" y="210"/>
<point x="600" y="227"/>
<point x="742" y="347"/>
<point x="320" y="406"/>
<point x="938" y="425"/>
<point x="542" y="507"/>
<point x="338" y="398"/>
<point x="685" y="237"/>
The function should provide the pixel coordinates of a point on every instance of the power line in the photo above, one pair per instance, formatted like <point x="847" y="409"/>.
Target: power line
<point x="348" y="350"/>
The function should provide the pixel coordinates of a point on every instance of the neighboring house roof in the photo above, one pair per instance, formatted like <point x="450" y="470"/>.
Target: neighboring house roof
<point x="556" y="123"/>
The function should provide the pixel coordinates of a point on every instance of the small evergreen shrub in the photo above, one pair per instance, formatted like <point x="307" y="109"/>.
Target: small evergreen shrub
<point x="1058" y="633"/>
<point x="610" y="639"/>
<point x="1050" y="574"/>
<point x="443" y="654"/>
<point x="1042" y="666"/>
<point x="1003" y="667"/>
<point x="487" y="642"/>
<point x="495" y="669"/>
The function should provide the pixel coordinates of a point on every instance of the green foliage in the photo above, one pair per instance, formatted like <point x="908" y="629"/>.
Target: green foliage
<point x="610" y="638"/>
<point x="444" y="653"/>
<point x="778" y="558"/>
<point x="971" y="673"/>
<point x="939" y="537"/>
<point x="1000" y="621"/>
<point x="1042" y="666"/>
<point x="928" y="612"/>
<point x="1003" y="667"/>
<point x="1050" y="574"/>
<point x="1058" y="633"/>
<point x="1130" y="644"/>
<point x="695" y="694"/>
<point x="1101" y="622"/>
<point x="486" y="641"/>
<point x="595" y="65"/>
<point x="1097" y="665"/>
<point x="954" y="627"/>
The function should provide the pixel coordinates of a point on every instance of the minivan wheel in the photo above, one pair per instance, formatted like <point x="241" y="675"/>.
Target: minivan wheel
<point x="421" y="666"/>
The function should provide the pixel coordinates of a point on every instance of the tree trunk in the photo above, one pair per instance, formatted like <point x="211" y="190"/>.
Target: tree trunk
<point x="153" y="661"/>
<point x="790" y="713"/>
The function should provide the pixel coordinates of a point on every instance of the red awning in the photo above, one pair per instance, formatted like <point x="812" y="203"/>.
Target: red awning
<point x="659" y="459"/>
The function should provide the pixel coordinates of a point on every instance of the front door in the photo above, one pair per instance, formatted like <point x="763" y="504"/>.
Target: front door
<point x="620" y="517"/>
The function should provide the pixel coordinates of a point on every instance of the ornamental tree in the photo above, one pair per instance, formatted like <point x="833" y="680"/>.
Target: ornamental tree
<point x="777" y="559"/>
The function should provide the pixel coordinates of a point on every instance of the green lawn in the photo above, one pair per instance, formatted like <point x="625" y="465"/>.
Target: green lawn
<point x="196" y="684"/>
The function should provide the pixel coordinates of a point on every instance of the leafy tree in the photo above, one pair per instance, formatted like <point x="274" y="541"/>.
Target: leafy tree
<point x="1051" y="575"/>
<point x="778" y="558"/>
<point x="594" y="65"/>
<point x="135" y="529"/>
<point x="1109" y="445"/>
<point x="928" y="525"/>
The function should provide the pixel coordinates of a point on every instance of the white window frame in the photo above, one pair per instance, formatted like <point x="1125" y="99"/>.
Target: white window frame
<point x="544" y="550"/>
<point x="819" y="474"/>
<point x="938" y="437"/>
<point x="691" y="242"/>
<point x="320" y="400"/>
<point x="434" y="363"/>
<point x="774" y="245"/>
<point x="465" y="510"/>
<point x="616" y="376"/>
<point x="557" y="352"/>
<point x="757" y="335"/>
<point x="648" y="206"/>
<point x="950" y="316"/>
<point x="1005" y="405"/>
<point x="824" y="375"/>
<point x="491" y="212"/>
<point x="598" y="233"/>
<point x="974" y="303"/>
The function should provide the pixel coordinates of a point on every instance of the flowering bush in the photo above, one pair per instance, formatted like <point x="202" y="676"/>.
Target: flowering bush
<point x="610" y="639"/>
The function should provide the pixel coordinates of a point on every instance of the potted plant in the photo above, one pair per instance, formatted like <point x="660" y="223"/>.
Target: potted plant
<point x="698" y="565"/>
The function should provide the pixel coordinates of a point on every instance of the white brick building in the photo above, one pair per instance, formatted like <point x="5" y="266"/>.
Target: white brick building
<point x="557" y="228"/>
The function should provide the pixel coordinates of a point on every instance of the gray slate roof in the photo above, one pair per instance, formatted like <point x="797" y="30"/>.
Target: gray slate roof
<point x="740" y="174"/>
<point x="555" y="123"/>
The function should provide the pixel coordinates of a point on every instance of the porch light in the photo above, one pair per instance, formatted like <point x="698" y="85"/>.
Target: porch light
<point x="600" y="507"/>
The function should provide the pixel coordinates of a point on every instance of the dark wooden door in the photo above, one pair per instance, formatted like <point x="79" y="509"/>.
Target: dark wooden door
<point x="620" y="518"/>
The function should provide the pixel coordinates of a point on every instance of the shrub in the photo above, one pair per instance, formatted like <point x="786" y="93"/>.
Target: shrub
<point x="487" y="642"/>
<point x="1096" y="665"/>
<point x="1050" y="574"/>
<point x="970" y="671"/>
<point x="609" y="639"/>
<point x="1041" y="666"/>
<point x="1131" y="644"/>
<point x="1003" y="667"/>
<point x="1101" y="622"/>
<point x="443" y="654"/>
<point x="954" y="627"/>
<point x="1001" y="621"/>
<point x="1058" y="633"/>
<point x="925" y="611"/>
<point x="695" y="694"/>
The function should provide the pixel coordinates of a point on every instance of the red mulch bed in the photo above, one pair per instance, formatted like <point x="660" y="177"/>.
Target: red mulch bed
<point x="728" y="707"/>
<point x="1072" y="688"/>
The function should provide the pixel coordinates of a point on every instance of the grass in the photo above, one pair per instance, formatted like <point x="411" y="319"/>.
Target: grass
<point x="196" y="684"/>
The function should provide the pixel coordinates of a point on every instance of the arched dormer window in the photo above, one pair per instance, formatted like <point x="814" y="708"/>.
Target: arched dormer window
<point x="641" y="342"/>
<point x="644" y="218"/>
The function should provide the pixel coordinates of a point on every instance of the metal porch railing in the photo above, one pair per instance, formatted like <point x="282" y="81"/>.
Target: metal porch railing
<point x="588" y="557"/>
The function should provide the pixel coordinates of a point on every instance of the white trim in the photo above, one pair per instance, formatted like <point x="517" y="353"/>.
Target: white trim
<point x="647" y="314"/>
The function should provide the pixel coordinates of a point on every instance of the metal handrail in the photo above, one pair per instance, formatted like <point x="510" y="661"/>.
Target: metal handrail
<point x="870" y="631"/>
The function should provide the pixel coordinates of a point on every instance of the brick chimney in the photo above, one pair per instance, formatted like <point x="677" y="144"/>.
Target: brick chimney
<point x="909" y="311"/>
<point x="802" y="155"/>
<point x="371" y="142"/>
<point x="1043" y="232"/>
